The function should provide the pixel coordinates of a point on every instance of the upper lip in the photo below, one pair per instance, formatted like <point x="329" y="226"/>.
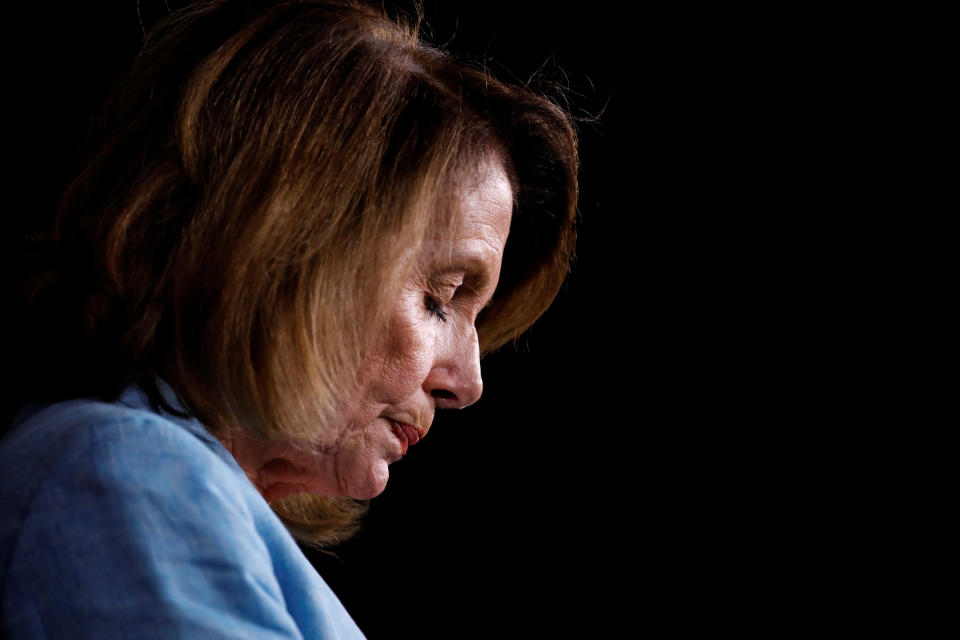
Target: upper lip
<point x="407" y="433"/>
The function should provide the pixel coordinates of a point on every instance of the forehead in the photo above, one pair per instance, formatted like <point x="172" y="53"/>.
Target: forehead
<point x="473" y="221"/>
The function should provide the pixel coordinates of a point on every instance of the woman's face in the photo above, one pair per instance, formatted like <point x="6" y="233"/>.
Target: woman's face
<point x="428" y="358"/>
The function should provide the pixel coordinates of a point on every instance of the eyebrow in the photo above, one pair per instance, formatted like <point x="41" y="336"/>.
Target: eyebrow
<point x="475" y="269"/>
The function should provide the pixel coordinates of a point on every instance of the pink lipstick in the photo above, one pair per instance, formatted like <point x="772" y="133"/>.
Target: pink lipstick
<point x="407" y="434"/>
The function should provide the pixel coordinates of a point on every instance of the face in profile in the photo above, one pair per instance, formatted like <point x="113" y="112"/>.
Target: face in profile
<point x="427" y="359"/>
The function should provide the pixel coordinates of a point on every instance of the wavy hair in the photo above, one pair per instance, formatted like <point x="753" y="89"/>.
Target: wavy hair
<point x="234" y="232"/>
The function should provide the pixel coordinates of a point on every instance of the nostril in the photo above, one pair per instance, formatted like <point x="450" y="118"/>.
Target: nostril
<point x="444" y="394"/>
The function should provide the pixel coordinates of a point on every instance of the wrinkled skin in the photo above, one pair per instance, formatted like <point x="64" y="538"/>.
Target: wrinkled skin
<point x="428" y="358"/>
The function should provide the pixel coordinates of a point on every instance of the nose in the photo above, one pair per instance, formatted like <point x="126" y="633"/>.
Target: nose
<point x="454" y="381"/>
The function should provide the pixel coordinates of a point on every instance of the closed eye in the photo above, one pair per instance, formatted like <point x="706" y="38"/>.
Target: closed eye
<point x="434" y="308"/>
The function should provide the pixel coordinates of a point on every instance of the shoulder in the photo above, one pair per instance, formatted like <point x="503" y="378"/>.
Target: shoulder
<point x="120" y="522"/>
<point x="84" y="470"/>
<point x="111" y="445"/>
<point x="109" y="456"/>
<point x="124" y="519"/>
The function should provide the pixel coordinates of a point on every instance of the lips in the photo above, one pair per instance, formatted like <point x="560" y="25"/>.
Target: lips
<point x="407" y="434"/>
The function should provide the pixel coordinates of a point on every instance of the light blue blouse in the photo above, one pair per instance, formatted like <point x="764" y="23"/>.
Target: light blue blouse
<point x="119" y="522"/>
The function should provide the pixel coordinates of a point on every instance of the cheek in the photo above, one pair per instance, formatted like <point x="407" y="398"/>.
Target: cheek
<point x="403" y="358"/>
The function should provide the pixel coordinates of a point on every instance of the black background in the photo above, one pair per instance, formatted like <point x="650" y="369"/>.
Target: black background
<point x="638" y="459"/>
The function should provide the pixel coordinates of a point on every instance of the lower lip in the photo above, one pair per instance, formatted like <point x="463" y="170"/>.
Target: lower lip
<point x="407" y="434"/>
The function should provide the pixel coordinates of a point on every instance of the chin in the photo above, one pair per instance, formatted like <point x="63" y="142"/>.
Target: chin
<point x="371" y="484"/>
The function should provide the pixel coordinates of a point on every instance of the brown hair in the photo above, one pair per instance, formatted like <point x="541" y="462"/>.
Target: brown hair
<point x="232" y="233"/>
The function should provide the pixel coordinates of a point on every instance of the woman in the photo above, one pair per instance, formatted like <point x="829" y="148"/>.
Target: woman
<point x="299" y="231"/>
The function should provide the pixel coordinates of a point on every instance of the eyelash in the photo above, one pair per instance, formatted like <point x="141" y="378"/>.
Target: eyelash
<point x="434" y="308"/>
